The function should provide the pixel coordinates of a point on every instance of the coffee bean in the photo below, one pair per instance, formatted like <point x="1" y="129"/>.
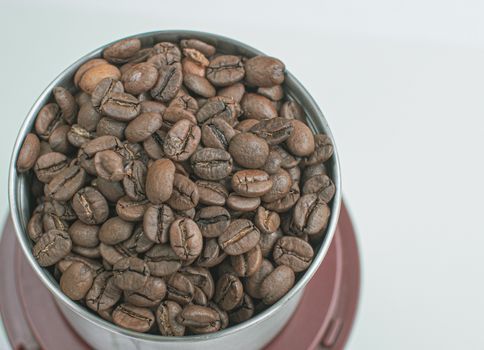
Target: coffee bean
<point x="159" y="181"/>
<point x="323" y="150"/>
<point x="131" y="210"/>
<point x="169" y="51"/>
<point x="103" y="294"/>
<point x="87" y="252"/>
<point x="140" y="78"/>
<point x="157" y="221"/>
<point x="199" y="85"/>
<point x="207" y="49"/>
<point x="134" y="318"/>
<point x="48" y="119"/>
<point x="150" y="295"/>
<point x="140" y="128"/>
<point x="257" y="107"/>
<point x="212" y="221"/>
<point x="228" y="292"/>
<point x="103" y="90"/>
<point x="120" y="106"/>
<point x="241" y="203"/>
<point x="249" y="150"/>
<point x="170" y="78"/>
<point x="83" y="234"/>
<point x="293" y="252"/>
<point x="267" y="242"/>
<point x="182" y="140"/>
<point x="134" y="180"/>
<point x="112" y="191"/>
<point x="90" y="206"/>
<point x="292" y="110"/>
<point x="71" y="258"/>
<point x="235" y="91"/>
<point x="138" y="243"/>
<point x="211" y="163"/>
<point x="264" y="71"/>
<point x="88" y="117"/>
<point x="225" y="70"/>
<point x="29" y="153"/>
<point x="274" y="93"/>
<point x="112" y="254"/>
<point x="34" y="227"/>
<point x="162" y="260"/>
<point x="67" y="104"/>
<point x="76" y="281"/>
<point x="266" y="221"/>
<point x="115" y="230"/>
<point x="77" y="135"/>
<point x="153" y="145"/>
<point x="301" y="140"/>
<point x="186" y="239"/>
<point x="211" y="193"/>
<point x="184" y="195"/>
<point x="95" y="74"/>
<point x="201" y="278"/>
<point x="174" y="114"/>
<point x="295" y="174"/>
<point x="211" y="254"/>
<point x="67" y="182"/>
<point x="243" y="311"/>
<point x="200" y="319"/>
<point x="247" y="264"/>
<point x="320" y="185"/>
<point x="221" y="107"/>
<point x="310" y="215"/>
<point x="130" y="273"/>
<point x="246" y="124"/>
<point x="281" y="185"/>
<point x="122" y="50"/>
<point x="52" y="247"/>
<point x="166" y="317"/>
<point x="274" y="131"/>
<point x="109" y="165"/>
<point x="180" y="289"/>
<point x="276" y="284"/>
<point x="251" y="183"/>
<point x="217" y="133"/>
<point x="108" y="126"/>
<point x="240" y="237"/>
<point x="288" y="160"/>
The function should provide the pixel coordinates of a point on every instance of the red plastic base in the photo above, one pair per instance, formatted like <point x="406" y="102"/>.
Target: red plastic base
<point x="323" y="319"/>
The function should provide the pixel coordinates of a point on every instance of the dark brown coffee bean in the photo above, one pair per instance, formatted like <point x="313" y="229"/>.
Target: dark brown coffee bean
<point x="266" y="221"/>
<point x="242" y="312"/>
<point x="48" y="119"/>
<point x="320" y="185"/>
<point x="200" y="278"/>
<point x="257" y="107"/>
<point x="58" y="140"/>
<point x="288" y="160"/>
<point x="274" y="131"/>
<point x="162" y="260"/>
<point x="225" y="70"/>
<point x="170" y="78"/>
<point x="293" y="252"/>
<point x="120" y="106"/>
<point x="245" y="265"/>
<point x="157" y="221"/>
<point x="211" y="163"/>
<point x="228" y="292"/>
<point x="174" y="114"/>
<point x="122" y="50"/>
<point x="91" y="78"/>
<point x="240" y="237"/>
<point x="149" y="295"/>
<point x="134" y="318"/>
<point x="67" y="104"/>
<point x="196" y="56"/>
<point x="277" y="284"/>
<point x="108" y="126"/>
<point x="301" y="140"/>
<point x="149" y="106"/>
<point x="29" y="153"/>
<point x="253" y="283"/>
<point x="273" y="163"/>
<point x="186" y="239"/>
<point x="92" y="253"/>
<point x="182" y="140"/>
<point x="264" y="71"/>
<point x="166" y="317"/>
<point x="274" y="93"/>
<point x="212" y="221"/>
<point x="190" y="66"/>
<point x="71" y="258"/>
<point x="109" y="165"/>
<point x="67" y="182"/>
<point x="83" y="234"/>
<point x="159" y="181"/>
<point x="112" y="191"/>
<point x="235" y="91"/>
<point x="85" y="67"/>
<point x="88" y="117"/>
<point x="112" y="254"/>
<point x="292" y="110"/>
<point x="310" y="215"/>
<point x="140" y="78"/>
<point x="131" y="210"/>
<point x="267" y="242"/>
<point x="281" y="185"/>
<point x="90" y="206"/>
<point x="211" y="254"/>
<point x="287" y="202"/>
<point x="217" y="133"/>
<point x="134" y="180"/>
<point x="153" y="145"/>
<point x="52" y="247"/>
<point x="251" y="183"/>
<point x="207" y="49"/>
<point x="295" y="174"/>
<point x="219" y="107"/>
<point x="249" y="150"/>
<point x="77" y="135"/>
<point x="184" y="195"/>
<point x="102" y="91"/>
<point x="140" y="128"/>
<point x="130" y="273"/>
<point x="169" y="51"/>
<point x="185" y="102"/>
<point x="138" y="243"/>
<point x="115" y="230"/>
<point x="34" y="227"/>
<point x="246" y="124"/>
<point x="323" y="150"/>
<point x="199" y="85"/>
<point x="180" y="289"/>
<point x="211" y="193"/>
<point x="200" y="319"/>
<point x="103" y="294"/>
<point x="76" y="281"/>
<point x="241" y="203"/>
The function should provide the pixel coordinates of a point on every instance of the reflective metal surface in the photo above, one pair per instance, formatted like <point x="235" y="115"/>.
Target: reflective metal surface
<point x="253" y="333"/>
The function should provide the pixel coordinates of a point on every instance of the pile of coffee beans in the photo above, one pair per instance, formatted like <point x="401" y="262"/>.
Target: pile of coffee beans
<point x="179" y="191"/>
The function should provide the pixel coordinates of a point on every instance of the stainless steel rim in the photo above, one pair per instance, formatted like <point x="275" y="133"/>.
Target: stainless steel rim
<point x="292" y="85"/>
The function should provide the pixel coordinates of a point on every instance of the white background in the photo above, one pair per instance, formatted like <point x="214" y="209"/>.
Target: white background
<point x="401" y="84"/>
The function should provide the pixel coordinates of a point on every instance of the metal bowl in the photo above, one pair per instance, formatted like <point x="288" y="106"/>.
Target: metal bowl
<point x="254" y="333"/>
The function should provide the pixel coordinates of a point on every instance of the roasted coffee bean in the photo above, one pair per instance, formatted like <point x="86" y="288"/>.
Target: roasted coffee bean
<point x="264" y="71"/>
<point x="150" y="295"/>
<point x="241" y="203"/>
<point x="273" y="163"/>
<point x="157" y="220"/>
<point x="140" y="78"/>
<point x="211" y="254"/>
<point x="184" y="195"/>
<point x="276" y="284"/>
<point x="200" y="278"/>
<point x="287" y="202"/>
<point x="162" y="260"/>
<point x="77" y="135"/>
<point x="267" y="242"/>
<point x="257" y="107"/>
<point x="245" y="265"/>
<point x="196" y="56"/>
<point x="166" y="317"/>
<point x="301" y="140"/>
<point x="83" y="234"/>
<point x="251" y="183"/>
<point x="52" y="247"/>
<point x="320" y="185"/>
<point x="235" y="91"/>
<point x="207" y="49"/>
<point x="199" y="85"/>
<point x="134" y="318"/>
<point x="180" y="289"/>
<point x="288" y="160"/>
<point x="211" y="193"/>
<point x="90" y="206"/>
<point x="76" y="280"/>
<point x="212" y="221"/>
<point x="67" y="104"/>
<point x="293" y="252"/>
<point x="221" y="107"/>
<point x="240" y="237"/>
<point x="217" y="133"/>
<point x="109" y="165"/>
<point x="122" y="50"/>
<point x="112" y="191"/>
<point x="85" y="67"/>
<point x="295" y="174"/>
<point x="310" y="215"/>
<point x="174" y="114"/>
<point x="323" y="150"/>
<point x="112" y="254"/>
<point x="67" y="182"/>
<point x="115" y="230"/>
<point x="185" y="102"/>
<point x="170" y="78"/>
<point x="28" y="153"/>
<point x="49" y="165"/>
<point x="88" y="117"/>
<point x="170" y="52"/>
<point x="159" y="181"/>
<point x="108" y="126"/>
<point x="92" y="253"/>
<point x="138" y="242"/>
<point x="266" y="221"/>
<point x="190" y="66"/>
<point x="131" y="210"/>
<point x="249" y="150"/>
<point x="199" y="319"/>
<point x="153" y="145"/>
<point x="44" y="148"/>
<point x="48" y="119"/>
<point x="281" y="185"/>
<point x="252" y="285"/>
<point x="140" y="128"/>
<point x="92" y="76"/>
<point x="225" y="70"/>
<point x="242" y="312"/>
<point x="228" y="292"/>
<point x="186" y="239"/>
<point x="102" y="91"/>
<point x="71" y="258"/>
<point x="190" y="213"/>
<point x="292" y="110"/>
<point x="130" y="273"/>
<point x="34" y="227"/>
<point x="182" y="140"/>
<point x="211" y="163"/>
<point x="274" y="93"/>
<point x="134" y="180"/>
<point x="103" y="294"/>
<point x="246" y="124"/>
<point x="58" y="140"/>
<point x="274" y="131"/>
